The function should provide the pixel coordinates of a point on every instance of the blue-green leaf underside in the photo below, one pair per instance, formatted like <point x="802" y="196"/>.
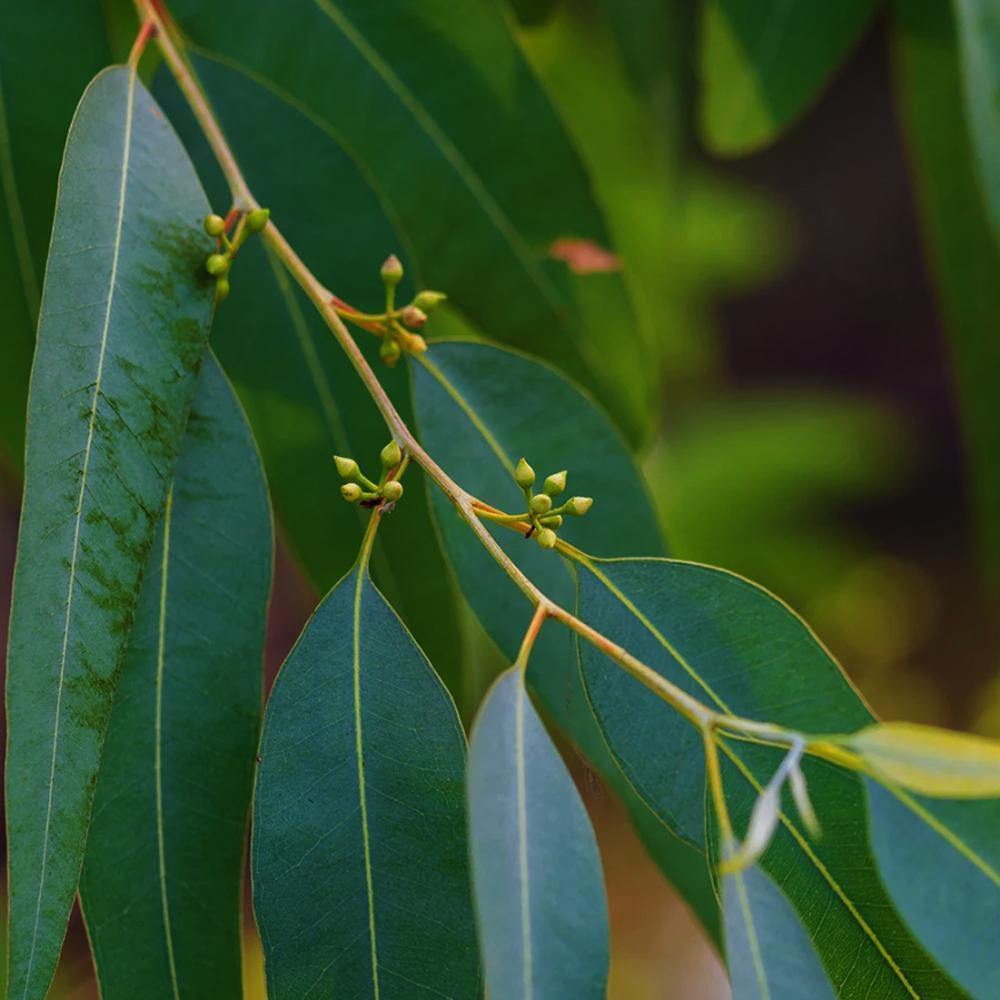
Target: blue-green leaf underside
<point x="940" y="861"/>
<point x="768" y="952"/>
<point x="734" y="646"/>
<point x="162" y="878"/>
<point x="360" y="863"/>
<point x="124" y="320"/>
<point x="461" y="145"/>
<point x="536" y="871"/>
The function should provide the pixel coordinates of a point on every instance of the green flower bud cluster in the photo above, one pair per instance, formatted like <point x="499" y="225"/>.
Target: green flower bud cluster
<point x="218" y="263"/>
<point x="400" y="325"/>
<point x="545" y="519"/>
<point x="358" y="487"/>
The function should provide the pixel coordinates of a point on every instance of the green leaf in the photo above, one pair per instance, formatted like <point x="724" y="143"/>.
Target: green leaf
<point x="536" y="871"/>
<point x="940" y="862"/>
<point x="767" y="949"/>
<point x="124" y="322"/>
<point x="462" y="147"/>
<point x="477" y="428"/>
<point x="170" y="812"/>
<point x="48" y="53"/>
<point x="979" y="34"/>
<point x="360" y="866"/>
<point x="963" y="252"/>
<point x="734" y="646"/>
<point x="763" y="62"/>
<point x="304" y="399"/>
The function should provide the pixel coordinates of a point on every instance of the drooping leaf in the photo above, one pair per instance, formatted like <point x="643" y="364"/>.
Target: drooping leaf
<point x="535" y="867"/>
<point x="480" y="408"/>
<point x="979" y="35"/>
<point x="463" y="149"/>
<point x="768" y="952"/>
<point x="360" y="867"/>
<point x="163" y="874"/>
<point x="931" y="761"/>
<point x="48" y="52"/>
<point x="963" y="253"/>
<point x="735" y="647"/>
<point x="940" y="861"/>
<point x="124" y="322"/>
<point x="763" y="62"/>
<point x="304" y="400"/>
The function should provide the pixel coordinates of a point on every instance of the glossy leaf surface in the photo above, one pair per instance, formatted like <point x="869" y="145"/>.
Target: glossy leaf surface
<point x="734" y="646"/>
<point x="536" y="871"/>
<point x="40" y="86"/>
<point x="360" y="861"/>
<point x="763" y="62"/>
<point x="464" y="151"/>
<point x="162" y="878"/>
<point x="767" y="949"/>
<point x="125" y="317"/>
<point x="940" y="861"/>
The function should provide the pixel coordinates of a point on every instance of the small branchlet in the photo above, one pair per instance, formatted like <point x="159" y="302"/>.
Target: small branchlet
<point x="359" y="488"/>
<point x="218" y="264"/>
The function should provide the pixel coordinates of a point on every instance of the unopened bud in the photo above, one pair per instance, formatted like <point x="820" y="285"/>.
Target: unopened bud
<point x="389" y="351"/>
<point x="347" y="468"/>
<point x="221" y="289"/>
<point x="524" y="475"/>
<point x="392" y="490"/>
<point x="540" y="503"/>
<point x="546" y="538"/>
<point x="217" y="264"/>
<point x="391" y="455"/>
<point x="257" y="219"/>
<point x="428" y="300"/>
<point x="392" y="271"/>
<point x="552" y="521"/>
<point x="351" y="492"/>
<point x="555" y="483"/>
<point x="578" y="506"/>
<point x="414" y="318"/>
<point x="215" y="225"/>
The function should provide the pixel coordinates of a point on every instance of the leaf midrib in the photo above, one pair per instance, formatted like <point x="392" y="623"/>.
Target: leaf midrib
<point x="92" y="420"/>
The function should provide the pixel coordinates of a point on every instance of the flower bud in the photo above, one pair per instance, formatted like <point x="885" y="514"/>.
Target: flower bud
<point x="546" y="538"/>
<point x="578" y="506"/>
<point x="351" y="492"/>
<point x="428" y="300"/>
<point x="414" y="318"/>
<point x="389" y="351"/>
<point x="221" y="289"/>
<point x="392" y="490"/>
<point x="215" y="225"/>
<point x="540" y="503"/>
<point x="392" y="271"/>
<point x="390" y="455"/>
<point x="552" y="521"/>
<point x="555" y="483"/>
<point x="524" y="475"/>
<point x="257" y="219"/>
<point x="347" y="468"/>
<point x="217" y="264"/>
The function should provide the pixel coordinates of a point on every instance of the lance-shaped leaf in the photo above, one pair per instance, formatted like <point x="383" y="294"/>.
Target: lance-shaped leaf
<point x="125" y="316"/>
<point x="763" y="62"/>
<point x="739" y="649"/>
<point x="360" y="865"/>
<point x="940" y="861"/>
<point x="463" y="149"/>
<point x="40" y="85"/>
<point x="467" y="422"/>
<point x="768" y="952"/>
<point x="964" y="255"/>
<point x="537" y="875"/>
<point x="162" y="879"/>
<point x="303" y="397"/>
